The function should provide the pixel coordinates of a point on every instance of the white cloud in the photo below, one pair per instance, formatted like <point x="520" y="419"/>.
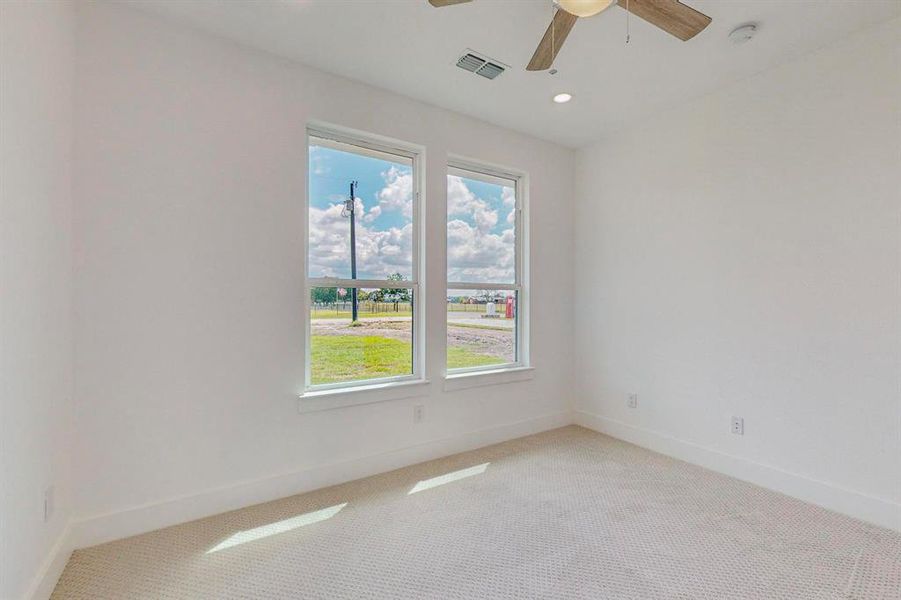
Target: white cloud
<point x="379" y="253"/>
<point x="461" y="201"/>
<point x="485" y="219"/>
<point x="398" y="192"/>
<point x="474" y="254"/>
<point x="508" y="197"/>
<point x="373" y="214"/>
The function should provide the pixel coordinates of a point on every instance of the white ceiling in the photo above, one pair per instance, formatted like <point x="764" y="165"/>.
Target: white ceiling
<point x="409" y="47"/>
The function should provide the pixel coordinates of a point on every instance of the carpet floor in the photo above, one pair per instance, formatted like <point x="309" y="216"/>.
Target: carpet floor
<point x="566" y="514"/>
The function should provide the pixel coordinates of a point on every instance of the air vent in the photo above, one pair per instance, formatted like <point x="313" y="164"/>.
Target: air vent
<point x="480" y="65"/>
<point x="471" y="63"/>
<point x="490" y="70"/>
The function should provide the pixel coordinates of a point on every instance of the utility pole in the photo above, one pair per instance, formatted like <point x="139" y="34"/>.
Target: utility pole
<point x="350" y="207"/>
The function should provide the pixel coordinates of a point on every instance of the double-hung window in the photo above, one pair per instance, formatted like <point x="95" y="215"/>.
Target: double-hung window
<point x="363" y="278"/>
<point x="486" y="293"/>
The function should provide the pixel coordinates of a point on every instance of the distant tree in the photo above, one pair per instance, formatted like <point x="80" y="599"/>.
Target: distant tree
<point x="325" y="295"/>
<point x="394" y="295"/>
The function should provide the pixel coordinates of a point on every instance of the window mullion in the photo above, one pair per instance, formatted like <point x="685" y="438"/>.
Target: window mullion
<point x="460" y="285"/>
<point x="318" y="282"/>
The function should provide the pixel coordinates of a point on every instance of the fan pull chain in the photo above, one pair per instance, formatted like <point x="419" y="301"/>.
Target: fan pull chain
<point x="628" y="36"/>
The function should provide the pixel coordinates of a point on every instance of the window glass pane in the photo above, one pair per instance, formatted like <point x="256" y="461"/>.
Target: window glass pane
<point x="382" y="211"/>
<point x="481" y="328"/>
<point x="379" y="344"/>
<point x="481" y="230"/>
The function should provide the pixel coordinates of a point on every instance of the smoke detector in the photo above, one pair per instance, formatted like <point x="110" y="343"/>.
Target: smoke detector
<point x="480" y="64"/>
<point x="743" y="33"/>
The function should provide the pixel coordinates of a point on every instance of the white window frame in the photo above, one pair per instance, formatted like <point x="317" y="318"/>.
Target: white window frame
<point x="474" y="169"/>
<point x="359" y="142"/>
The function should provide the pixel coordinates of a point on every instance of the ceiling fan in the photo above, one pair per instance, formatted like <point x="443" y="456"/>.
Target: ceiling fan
<point x="671" y="16"/>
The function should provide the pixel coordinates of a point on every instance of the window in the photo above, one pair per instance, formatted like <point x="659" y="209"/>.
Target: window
<point x="485" y="292"/>
<point x="362" y="262"/>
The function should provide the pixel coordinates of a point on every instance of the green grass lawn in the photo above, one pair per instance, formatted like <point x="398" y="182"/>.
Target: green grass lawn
<point x="460" y="358"/>
<point x="352" y="357"/>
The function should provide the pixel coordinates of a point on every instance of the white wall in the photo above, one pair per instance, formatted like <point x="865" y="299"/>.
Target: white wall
<point x="36" y="71"/>
<point x="190" y="181"/>
<point x="741" y="254"/>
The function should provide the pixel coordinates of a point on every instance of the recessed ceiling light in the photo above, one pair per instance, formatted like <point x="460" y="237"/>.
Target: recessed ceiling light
<point x="562" y="98"/>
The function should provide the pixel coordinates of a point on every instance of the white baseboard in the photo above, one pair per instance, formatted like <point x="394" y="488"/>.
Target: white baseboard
<point x="47" y="576"/>
<point x="878" y="511"/>
<point x="148" y="517"/>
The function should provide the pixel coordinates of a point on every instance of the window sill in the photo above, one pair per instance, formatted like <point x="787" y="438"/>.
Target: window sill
<point x="460" y="381"/>
<point x="319" y="400"/>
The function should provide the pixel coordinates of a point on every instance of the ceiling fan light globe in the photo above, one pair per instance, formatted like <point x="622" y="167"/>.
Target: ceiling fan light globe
<point x="585" y="8"/>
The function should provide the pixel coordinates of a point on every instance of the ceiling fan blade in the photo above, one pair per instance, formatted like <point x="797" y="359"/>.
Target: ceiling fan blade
<point x="440" y="3"/>
<point x="553" y="39"/>
<point x="671" y="16"/>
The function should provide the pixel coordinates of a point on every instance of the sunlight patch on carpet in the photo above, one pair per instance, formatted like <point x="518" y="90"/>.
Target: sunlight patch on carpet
<point x="427" y="484"/>
<point x="264" y="531"/>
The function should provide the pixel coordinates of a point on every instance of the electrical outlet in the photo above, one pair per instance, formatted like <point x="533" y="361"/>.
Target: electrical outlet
<point x="738" y="425"/>
<point x="633" y="401"/>
<point x="48" y="503"/>
<point x="418" y="411"/>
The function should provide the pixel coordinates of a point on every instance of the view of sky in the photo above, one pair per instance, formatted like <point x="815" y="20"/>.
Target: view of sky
<point x="384" y="215"/>
<point x="480" y="220"/>
<point x="480" y="231"/>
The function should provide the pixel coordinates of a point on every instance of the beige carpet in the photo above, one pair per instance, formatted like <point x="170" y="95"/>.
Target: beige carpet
<point x="564" y="514"/>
